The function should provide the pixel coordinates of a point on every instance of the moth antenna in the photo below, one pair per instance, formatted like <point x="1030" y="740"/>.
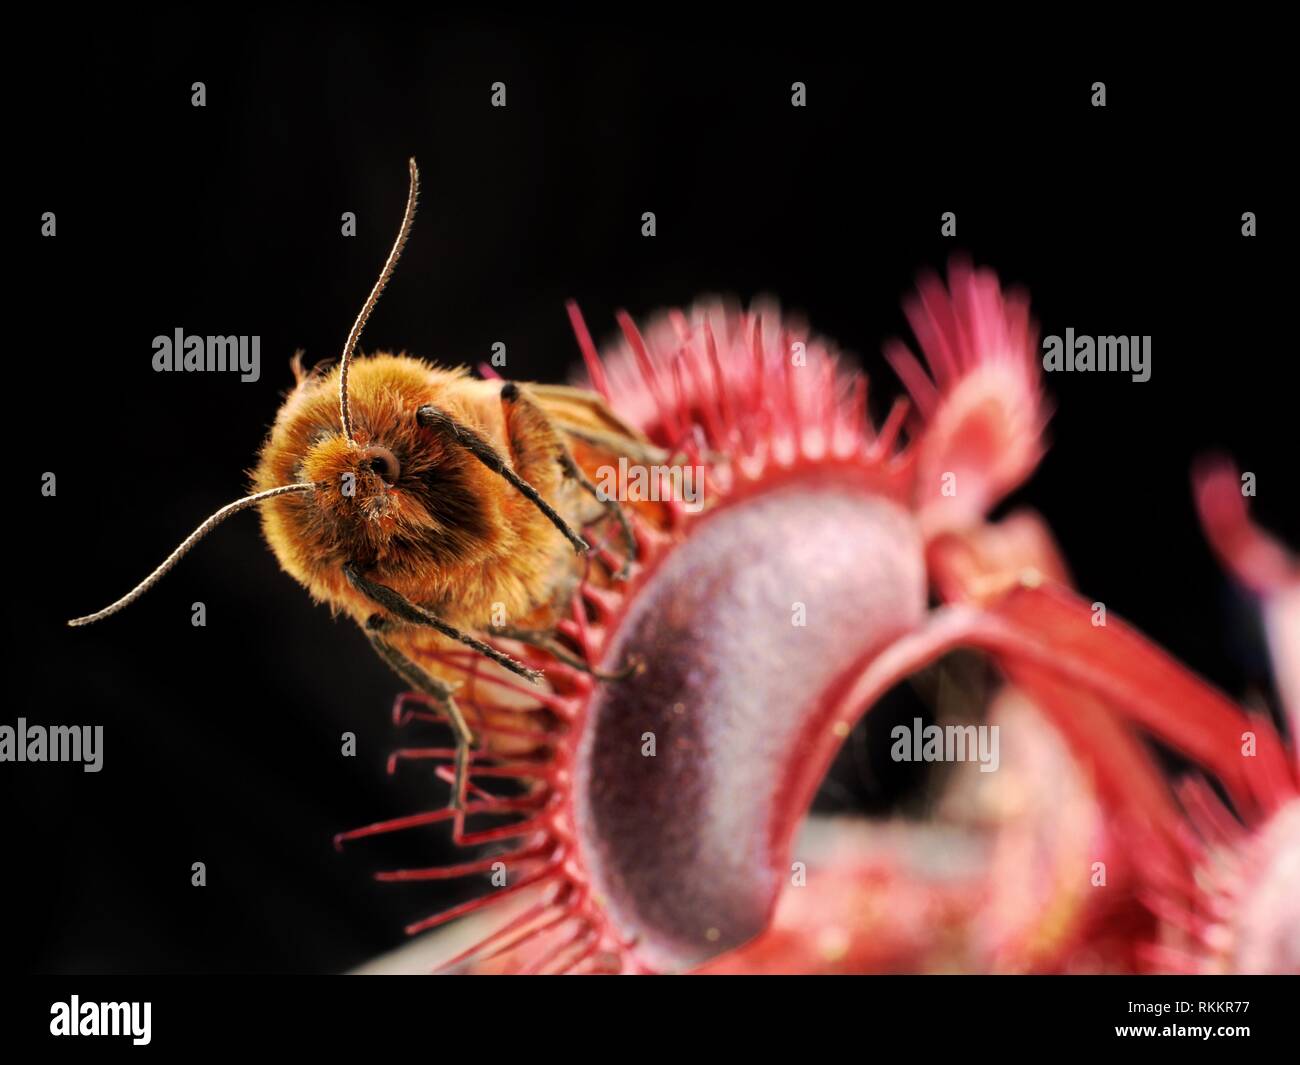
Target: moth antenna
<point x="344" y="412"/>
<point x="183" y="547"/>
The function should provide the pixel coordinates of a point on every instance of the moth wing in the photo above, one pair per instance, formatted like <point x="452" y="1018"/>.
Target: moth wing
<point x="586" y="417"/>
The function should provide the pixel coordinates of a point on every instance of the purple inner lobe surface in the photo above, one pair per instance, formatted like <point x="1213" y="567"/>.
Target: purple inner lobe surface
<point x="680" y="844"/>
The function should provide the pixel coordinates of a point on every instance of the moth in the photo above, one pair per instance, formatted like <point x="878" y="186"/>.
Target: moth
<point x="432" y="507"/>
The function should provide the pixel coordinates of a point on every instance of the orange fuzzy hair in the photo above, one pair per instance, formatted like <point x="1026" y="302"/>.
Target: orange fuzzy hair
<point x="449" y="534"/>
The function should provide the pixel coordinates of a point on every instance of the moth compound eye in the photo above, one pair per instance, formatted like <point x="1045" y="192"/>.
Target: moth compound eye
<point x="383" y="462"/>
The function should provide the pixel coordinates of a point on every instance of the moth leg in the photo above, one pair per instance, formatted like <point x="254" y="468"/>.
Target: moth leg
<point x="546" y="642"/>
<point x="437" y="690"/>
<point x="526" y="419"/>
<point x="403" y="609"/>
<point x="612" y="508"/>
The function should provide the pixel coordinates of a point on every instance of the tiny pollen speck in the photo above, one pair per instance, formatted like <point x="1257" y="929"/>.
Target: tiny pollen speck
<point x="833" y="944"/>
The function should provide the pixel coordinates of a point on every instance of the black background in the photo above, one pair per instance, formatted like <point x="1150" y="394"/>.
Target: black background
<point x="222" y="743"/>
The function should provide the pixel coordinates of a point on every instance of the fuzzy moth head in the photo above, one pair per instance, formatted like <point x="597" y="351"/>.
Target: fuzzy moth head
<point x="397" y="499"/>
